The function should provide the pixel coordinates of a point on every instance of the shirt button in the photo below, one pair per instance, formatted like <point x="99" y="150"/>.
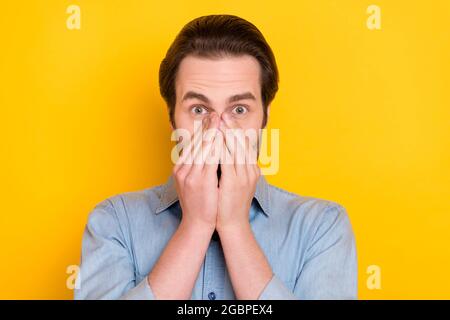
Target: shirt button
<point x="212" y="296"/>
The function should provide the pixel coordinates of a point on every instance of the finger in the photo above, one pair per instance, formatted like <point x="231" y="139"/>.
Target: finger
<point x="237" y="130"/>
<point x="251" y="152"/>
<point x="235" y="140"/>
<point x="248" y="142"/>
<point x="214" y="147"/>
<point x="199" y="146"/>
<point x="189" y="153"/>
<point x="186" y="155"/>
<point x="206" y="143"/>
<point x="226" y="159"/>
<point x="214" y="151"/>
<point x="252" y="165"/>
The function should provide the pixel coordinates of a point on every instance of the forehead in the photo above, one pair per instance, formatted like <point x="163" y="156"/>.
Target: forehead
<point x="219" y="75"/>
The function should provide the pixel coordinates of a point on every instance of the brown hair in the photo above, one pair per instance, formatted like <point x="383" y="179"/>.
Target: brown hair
<point x="215" y="36"/>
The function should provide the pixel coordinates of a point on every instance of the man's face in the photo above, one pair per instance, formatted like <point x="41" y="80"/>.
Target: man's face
<point x="224" y="85"/>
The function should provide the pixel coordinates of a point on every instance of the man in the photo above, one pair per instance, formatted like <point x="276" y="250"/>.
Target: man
<point x="217" y="229"/>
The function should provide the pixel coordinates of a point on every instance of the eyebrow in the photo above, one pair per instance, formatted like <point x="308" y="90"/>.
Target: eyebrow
<point x="233" y="98"/>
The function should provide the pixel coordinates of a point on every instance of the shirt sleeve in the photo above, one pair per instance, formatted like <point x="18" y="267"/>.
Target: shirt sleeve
<point x="107" y="266"/>
<point x="330" y="268"/>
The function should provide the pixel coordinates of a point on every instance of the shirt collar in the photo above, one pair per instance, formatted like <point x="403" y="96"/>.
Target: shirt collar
<point x="169" y="195"/>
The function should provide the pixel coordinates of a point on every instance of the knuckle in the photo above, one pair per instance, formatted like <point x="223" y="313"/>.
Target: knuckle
<point x="180" y="175"/>
<point x="189" y="181"/>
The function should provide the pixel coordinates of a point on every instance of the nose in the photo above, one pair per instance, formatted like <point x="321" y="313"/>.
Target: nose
<point x="216" y="116"/>
<point x="214" y="120"/>
<point x="224" y="119"/>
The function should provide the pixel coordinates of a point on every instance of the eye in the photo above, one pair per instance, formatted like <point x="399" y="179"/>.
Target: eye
<point x="198" y="110"/>
<point x="240" y="109"/>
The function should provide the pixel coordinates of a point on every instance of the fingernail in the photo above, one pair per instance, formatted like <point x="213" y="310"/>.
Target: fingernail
<point x="206" y="121"/>
<point x="221" y="125"/>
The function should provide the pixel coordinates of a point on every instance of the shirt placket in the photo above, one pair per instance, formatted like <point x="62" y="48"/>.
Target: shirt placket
<point x="214" y="272"/>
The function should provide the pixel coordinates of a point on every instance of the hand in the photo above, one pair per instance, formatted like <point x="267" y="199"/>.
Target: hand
<point x="240" y="174"/>
<point x="196" y="181"/>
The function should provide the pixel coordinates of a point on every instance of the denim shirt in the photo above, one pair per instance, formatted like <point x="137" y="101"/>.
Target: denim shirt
<point x="308" y="242"/>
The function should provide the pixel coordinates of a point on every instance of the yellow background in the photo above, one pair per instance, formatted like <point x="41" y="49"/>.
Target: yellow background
<point x="364" y="119"/>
